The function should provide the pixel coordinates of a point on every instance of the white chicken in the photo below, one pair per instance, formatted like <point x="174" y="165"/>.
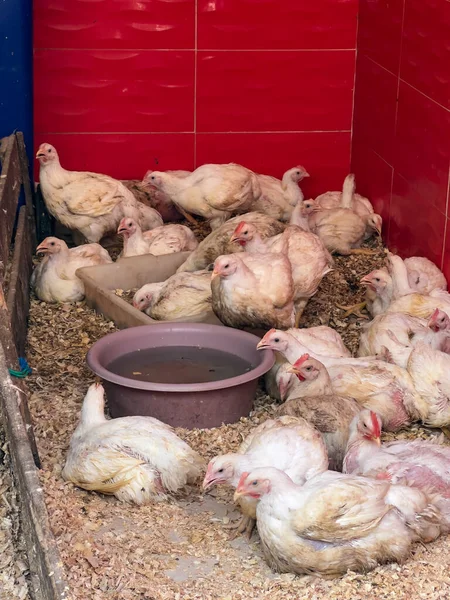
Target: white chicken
<point x="340" y="229"/>
<point x="430" y="373"/>
<point x="394" y="334"/>
<point x="376" y="336"/>
<point x="309" y="259"/>
<point x="312" y="397"/>
<point x="253" y="290"/>
<point x="419" y="463"/>
<point x="406" y="300"/>
<point x="211" y="191"/>
<point x="320" y="339"/>
<point x="374" y="384"/>
<point x="182" y="296"/>
<point x="166" y="239"/>
<point x="218" y="241"/>
<point x="360" y="205"/>
<point x="422" y="276"/>
<point x="54" y="278"/>
<point x="278" y="198"/>
<point x="90" y="203"/>
<point x="162" y="202"/>
<point x="136" y="459"/>
<point x="335" y="522"/>
<point x="288" y="443"/>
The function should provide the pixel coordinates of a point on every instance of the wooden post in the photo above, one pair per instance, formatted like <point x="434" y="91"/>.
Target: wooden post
<point x="47" y="578"/>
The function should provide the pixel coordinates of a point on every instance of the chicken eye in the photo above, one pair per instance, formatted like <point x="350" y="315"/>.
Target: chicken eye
<point x="377" y="279"/>
<point x="49" y="150"/>
<point x="276" y="340"/>
<point x="226" y="266"/>
<point x="52" y="243"/>
<point x="308" y="368"/>
<point x="297" y="172"/>
<point x="255" y="482"/>
<point x="220" y="470"/>
<point x="152" y="177"/>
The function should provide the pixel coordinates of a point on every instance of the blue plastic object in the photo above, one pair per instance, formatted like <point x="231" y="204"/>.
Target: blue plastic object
<point x="16" y="72"/>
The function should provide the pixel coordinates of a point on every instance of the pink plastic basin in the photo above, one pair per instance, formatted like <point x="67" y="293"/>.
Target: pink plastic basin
<point x="194" y="405"/>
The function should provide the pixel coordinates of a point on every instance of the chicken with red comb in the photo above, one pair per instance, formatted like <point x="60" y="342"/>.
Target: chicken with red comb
<point x="312" y="397"/>
<point x="218" y="242"/>
<point x="420" y="463"/>
<point x="289" y="443"/>
<point x="335" y="522"/>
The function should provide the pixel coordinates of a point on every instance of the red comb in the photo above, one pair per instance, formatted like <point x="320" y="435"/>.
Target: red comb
<point x="243" y="478"/>
<point x="240" y="227"/>
<point x="435" y="314"/>
<point x="375" y="424"/>
<point x="301" y="360"/>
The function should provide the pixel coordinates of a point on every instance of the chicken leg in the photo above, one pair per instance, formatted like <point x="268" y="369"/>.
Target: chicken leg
<point x="355" y="309"/>
<point x="186" y="215"/>
<point x="244" y="526"/>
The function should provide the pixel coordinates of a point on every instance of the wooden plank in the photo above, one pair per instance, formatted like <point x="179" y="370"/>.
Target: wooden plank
<point x="47" y="578"/>
<point x="10" y="182"/>
<point x="27" y="188"/>
<point x="18" y="299"/>
<point x="7" y="341"/>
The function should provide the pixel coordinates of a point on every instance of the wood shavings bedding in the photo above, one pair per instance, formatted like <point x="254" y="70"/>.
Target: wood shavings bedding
<point x="180" y="550"/>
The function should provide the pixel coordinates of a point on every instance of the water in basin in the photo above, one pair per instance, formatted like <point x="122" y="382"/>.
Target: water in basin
<point x="179" y="364"/>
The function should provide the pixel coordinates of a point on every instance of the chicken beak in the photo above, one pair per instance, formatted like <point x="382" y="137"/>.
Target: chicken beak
<point x="234" y="238"/>
<point x="121" y="230"/>
<point x="297" y="373"/>
<point x="208" y="482"/>
<point x="39" y="154"/>
<point x="41" y="249"/>
<point x="214" y="274"/>
<point x="262" y="345"/>
<point x="365" y="281"/>
<point x="306" y="174"/>
<point x="238" y="494"/>
<point x="377" y="440"/>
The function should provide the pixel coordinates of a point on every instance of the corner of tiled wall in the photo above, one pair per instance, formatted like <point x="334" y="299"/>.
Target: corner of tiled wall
<point x="401" y="127"/>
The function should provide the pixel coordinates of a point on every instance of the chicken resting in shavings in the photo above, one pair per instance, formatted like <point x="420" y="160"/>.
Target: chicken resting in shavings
<point x="183" y="551"/>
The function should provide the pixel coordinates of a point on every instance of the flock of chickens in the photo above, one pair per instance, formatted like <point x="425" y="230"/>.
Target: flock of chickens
<point x="325" y="494"/>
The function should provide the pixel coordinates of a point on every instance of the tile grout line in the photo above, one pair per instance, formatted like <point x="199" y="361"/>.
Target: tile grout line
<point x="195" y="79"/>
<point x="304" y="131"/>
<point x="196" y="49"/>
<point x="406" y="83"/>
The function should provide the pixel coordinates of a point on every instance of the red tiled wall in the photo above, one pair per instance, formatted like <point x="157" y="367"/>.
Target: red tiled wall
<point x="124" y="86"/>
<point x="401" y="127"/>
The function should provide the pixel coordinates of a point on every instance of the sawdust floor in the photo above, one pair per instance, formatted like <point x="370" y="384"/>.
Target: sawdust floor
<point x="180" y="550"/>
